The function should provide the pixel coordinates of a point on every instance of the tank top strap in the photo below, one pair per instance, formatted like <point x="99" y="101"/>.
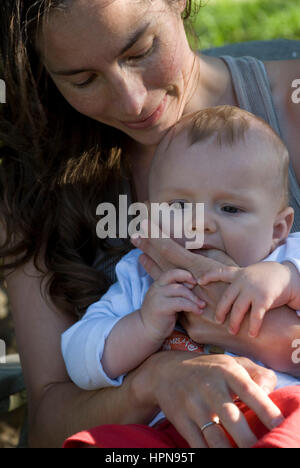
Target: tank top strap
<point x="253" y="92"/>
<point x="252" y="88"/>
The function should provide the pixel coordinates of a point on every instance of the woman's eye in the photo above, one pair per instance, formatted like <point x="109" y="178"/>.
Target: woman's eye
<point x="142" y="55"/>
<point x="85" y="83"/>
<point x="231" y="209"/>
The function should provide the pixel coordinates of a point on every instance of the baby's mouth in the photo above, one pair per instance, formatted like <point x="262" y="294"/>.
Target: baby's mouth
<point x="204" y="249"/>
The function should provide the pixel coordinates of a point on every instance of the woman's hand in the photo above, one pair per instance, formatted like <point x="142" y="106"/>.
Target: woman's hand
<point x="163" y="254"/>
<point x="204" y="387"/>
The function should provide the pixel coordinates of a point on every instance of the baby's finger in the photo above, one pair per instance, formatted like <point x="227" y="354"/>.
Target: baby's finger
<point x="238" y="312"/>
<point x="176" y="275"/>
<point x="181" y="304"/>
<point x="179" y="290"/>
<point x="226" y="275"/>
<point x="256" y="320"/>
<point x="225" y="304"/>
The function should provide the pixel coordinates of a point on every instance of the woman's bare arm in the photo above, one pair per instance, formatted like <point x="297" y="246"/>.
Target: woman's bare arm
<point x="57" y="408"/>
<point x="273" y="346"/>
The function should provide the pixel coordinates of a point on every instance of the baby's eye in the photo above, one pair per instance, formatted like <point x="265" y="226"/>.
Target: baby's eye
<point x="231" y="209"/>
<point x="178" y="205"/>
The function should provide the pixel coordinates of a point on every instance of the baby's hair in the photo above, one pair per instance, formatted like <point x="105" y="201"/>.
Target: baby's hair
<point x="229" y="125"/>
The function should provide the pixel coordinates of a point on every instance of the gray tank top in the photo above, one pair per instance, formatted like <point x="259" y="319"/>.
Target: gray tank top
<point x="253" y="91"/>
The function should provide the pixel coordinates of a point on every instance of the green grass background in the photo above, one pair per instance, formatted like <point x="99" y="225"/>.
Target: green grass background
<point x="221" y="22"/>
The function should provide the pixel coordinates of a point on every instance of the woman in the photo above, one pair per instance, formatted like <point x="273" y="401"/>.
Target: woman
<point x="92" y="86"/>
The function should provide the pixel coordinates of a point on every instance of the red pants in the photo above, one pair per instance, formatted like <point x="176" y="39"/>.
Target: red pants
<point x="287" y="435"/>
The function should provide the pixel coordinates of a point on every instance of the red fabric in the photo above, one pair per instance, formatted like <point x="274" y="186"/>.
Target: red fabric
<point x="130" y="436"/>
<point x="287" y="435"/>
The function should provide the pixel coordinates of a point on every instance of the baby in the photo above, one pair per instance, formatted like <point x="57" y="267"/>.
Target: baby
<point x="235" y="165"/>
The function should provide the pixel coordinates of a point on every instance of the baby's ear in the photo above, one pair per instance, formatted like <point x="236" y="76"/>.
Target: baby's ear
<point x="282" y="226"/>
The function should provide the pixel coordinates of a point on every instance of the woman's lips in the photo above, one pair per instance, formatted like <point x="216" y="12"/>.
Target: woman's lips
<point x="151" y="120"/>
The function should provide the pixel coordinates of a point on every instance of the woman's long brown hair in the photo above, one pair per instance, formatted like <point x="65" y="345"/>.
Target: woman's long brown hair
<point x="56" y="166"/>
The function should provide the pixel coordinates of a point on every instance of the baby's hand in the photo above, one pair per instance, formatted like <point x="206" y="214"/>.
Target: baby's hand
<point x="165" y="299"/>
<point x="255" y="289"/>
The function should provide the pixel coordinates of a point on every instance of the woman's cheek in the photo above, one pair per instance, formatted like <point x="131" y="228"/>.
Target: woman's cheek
<point x="91" y="105"/>
<point x="167" y="72"/>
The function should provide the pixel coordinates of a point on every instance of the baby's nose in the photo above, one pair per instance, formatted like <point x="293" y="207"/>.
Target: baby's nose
<point x="210" y="224"/>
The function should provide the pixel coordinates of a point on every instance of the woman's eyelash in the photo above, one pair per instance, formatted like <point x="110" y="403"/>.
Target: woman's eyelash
<point x="135" y="57"/>
<point x="144" y="54"/>
<point x="85" y="83"/>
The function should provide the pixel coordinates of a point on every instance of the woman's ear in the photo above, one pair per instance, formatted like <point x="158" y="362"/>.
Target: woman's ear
<point x="182" y="5"/>
<point x="282" y="226"/>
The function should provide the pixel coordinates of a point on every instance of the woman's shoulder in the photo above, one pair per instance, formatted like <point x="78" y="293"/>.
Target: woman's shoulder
<point x="284" y="79"/>
<point x="284" y="76"/>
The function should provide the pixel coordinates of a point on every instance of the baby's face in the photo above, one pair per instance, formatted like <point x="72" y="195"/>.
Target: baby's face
<point x="236" y="186"/>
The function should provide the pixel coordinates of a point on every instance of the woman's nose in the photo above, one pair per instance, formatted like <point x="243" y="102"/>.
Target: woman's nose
<point x="131" y="94"/>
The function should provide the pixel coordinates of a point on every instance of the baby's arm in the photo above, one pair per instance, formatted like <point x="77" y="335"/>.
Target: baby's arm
<point x="119" y="331"/>
<point x="256" y="289"/>
<point x="141" y="333"/>
<point x="294" y="302"/>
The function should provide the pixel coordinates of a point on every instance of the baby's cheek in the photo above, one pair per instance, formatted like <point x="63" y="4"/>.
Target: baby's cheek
<point x="249" y="254"/>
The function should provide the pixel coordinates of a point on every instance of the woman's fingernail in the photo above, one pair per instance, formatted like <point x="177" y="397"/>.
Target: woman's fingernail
<point x="276" y="422"/>
<point x="218" y="321"/>
<point x="135" y="240"/>
<point x="252" y="335"/>
<point x="201" y="303"/>
<point x="266" y="389"/>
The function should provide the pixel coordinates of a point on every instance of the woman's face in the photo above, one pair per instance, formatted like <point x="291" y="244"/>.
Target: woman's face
<point x="125" y="63"/>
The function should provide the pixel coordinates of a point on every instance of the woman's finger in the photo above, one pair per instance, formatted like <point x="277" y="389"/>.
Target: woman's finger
<point x="265" y="378"/>
<point x="236" y="425"/>
<point x="219" y="401"/>
<point x="215" y="437"/>
<point x="255" y="398"/>
<point x="190" y="432"/>
<point x="219" y="256"/>
<point x="150" y="266"/>
<point x="165" y="249"/>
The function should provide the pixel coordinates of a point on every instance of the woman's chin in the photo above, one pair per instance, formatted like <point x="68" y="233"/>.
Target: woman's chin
<point x="149" y="137"/>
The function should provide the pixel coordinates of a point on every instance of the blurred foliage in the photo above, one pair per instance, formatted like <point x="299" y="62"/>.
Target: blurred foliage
<point x="221" y="22"/>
